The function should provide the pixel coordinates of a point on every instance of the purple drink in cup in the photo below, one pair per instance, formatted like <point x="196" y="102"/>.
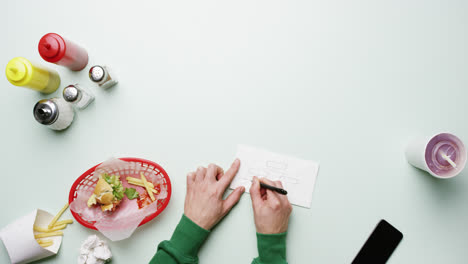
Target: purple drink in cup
<point x="443" y="155"/>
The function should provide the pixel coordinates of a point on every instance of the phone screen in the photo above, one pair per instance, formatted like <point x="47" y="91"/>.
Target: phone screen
<point x="380" y="244"/>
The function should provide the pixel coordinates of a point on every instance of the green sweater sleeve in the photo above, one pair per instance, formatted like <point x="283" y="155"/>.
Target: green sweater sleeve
<point x="183" y="246"/>
<point x="271" y="249"/>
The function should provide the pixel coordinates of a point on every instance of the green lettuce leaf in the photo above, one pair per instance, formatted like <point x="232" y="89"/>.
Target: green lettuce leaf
<point x="107" y="178"/>
<point x="131" y="193"/>
<point x="118" y="191"/>
<point x="117" y="188"/>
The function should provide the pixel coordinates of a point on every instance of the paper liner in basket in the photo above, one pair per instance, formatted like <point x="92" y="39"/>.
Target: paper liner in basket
<point x="121" y="223"/>
<point x="19" y="240"/>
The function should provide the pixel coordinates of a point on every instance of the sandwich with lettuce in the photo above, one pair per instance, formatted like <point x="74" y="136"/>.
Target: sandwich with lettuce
<point x="109" y="193"/>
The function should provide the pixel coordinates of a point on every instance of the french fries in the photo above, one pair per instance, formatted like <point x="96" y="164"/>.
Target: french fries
<point x="45" y="242"/>
<point x="148" y="189"/>
<point x="139" y="182"/>
<point x="132" y="179"/>
<point x="49" y="234"/>
<point x="52" y="229"/>
<point x="64" y="222"/>
<point x="52" y="223"/>
<point x="55" y="228"/>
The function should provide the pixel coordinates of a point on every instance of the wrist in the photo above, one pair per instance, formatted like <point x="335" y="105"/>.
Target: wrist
<point x="200" y="222"/>
<point x="271" y="230"/>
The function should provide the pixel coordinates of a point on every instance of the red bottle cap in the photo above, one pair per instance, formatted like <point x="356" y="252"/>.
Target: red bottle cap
<point x="52" y="47"/>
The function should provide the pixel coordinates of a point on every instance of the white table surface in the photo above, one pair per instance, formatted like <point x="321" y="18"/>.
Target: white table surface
<point x="345" y="83"/>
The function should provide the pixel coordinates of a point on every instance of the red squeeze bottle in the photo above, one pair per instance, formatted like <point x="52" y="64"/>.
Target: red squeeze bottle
<point x="55" y="49"/>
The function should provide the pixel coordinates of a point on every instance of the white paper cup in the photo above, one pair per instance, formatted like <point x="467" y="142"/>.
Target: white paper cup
<point x="416" y="155"/>
<point x="18" y="238"/>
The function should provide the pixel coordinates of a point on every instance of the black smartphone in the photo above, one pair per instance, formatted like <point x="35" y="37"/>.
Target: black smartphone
<point x="380" y="244"/>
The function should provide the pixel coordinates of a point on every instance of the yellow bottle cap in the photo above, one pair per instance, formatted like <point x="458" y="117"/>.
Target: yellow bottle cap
<point x="18" y="70"/>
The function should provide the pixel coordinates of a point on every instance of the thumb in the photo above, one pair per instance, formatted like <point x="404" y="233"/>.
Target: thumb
<point x="255" y="194"/>
<point x="232" y="199"/>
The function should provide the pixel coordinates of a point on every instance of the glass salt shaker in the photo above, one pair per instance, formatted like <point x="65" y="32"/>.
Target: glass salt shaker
<point x="54" y="113"/>
<point x="102" y="76"/>
<point x="78" y="96"/>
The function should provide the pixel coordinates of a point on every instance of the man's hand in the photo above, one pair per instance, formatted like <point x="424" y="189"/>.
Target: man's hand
<point x="204" y="202"/>
<point x="271" y="209"/>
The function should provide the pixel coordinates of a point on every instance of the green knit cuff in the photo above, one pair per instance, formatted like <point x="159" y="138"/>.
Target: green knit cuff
<point x="272" y="248"/>
<point x="188" y="237"/>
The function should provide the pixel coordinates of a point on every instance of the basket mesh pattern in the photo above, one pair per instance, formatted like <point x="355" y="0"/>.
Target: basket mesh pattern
<point x="88" y="182"/>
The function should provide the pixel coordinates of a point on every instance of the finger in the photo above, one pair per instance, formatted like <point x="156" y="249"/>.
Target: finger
<point x="229" y="175"/>
<point x="279" y="184"/>
<point x="263" y="193"/>
<point x="267" y="181"/>
<point x="220" y="174"/>
<point x="232" y="199"/>
<point x="213" y="171"/>
<point x="200" y="174"/>
<point x="256" y="192"/>
<point x="273" y="199"/>
<point x="279" y="197"/>
<point x="190" y="178"/>
<point x="271" y="196"/>
<point x="283" y="198"/>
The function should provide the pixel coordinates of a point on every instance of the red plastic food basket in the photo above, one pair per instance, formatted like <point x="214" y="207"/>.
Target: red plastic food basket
<point x="87" y="179"/>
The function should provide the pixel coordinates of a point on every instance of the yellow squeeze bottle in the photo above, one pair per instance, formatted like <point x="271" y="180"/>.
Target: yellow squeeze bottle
<point x="21" y="72"/>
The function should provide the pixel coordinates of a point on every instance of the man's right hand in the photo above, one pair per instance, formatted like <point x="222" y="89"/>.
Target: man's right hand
<point x="271" y="209"/>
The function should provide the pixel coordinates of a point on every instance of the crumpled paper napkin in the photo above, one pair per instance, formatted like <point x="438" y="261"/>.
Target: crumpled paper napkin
<point x="94" y="251"/>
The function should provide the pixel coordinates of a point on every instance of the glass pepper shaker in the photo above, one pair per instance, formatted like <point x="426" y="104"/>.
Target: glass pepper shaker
<point x="102" y="76"/>
<point x="54" y="113"/>
<point x="78" y="96"/>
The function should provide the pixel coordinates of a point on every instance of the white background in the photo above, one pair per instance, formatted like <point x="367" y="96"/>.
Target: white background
<point x="345" y="83"/>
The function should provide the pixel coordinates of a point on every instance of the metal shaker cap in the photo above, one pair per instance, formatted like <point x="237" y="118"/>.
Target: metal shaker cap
<point x="71" y="93"/>
<point x="46" y="112"/>
<point x="97" y="73"/>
